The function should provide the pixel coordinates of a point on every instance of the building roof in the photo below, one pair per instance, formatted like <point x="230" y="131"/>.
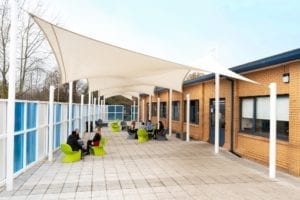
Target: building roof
<point x="285" y="57"/>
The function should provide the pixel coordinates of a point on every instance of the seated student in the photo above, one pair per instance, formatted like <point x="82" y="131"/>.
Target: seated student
<point x="142" y="125"/>
<point x="149" y="127"/>
<point x="132" y="129"/>
<point x="72" y="141"/>
<point x="159" y="130"/>
<point x="79" y="140"/>
<point x="96" y="139"/>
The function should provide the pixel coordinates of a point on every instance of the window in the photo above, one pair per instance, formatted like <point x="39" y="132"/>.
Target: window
<point x="163" y="110"/>
<point x="255" y="116"/>
<point x="175" y="110"/>
<point x="154" y="109"/>
<point x="247" y="114"/>
<point x="194" y="111"/>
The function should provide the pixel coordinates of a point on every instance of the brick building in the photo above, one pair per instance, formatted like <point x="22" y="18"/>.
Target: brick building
<point x="244" y="108"/>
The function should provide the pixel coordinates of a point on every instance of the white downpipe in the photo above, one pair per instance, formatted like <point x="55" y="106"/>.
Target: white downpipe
<point x="272" y="145"/>
<point x="170" y="111"/>
<point x="11" y="97"/>
<point x="143" y="110"/>
<point x="94" y="113"/>
<point x="99" y="109"/>
<point x="188" y="102"/>
<point x="81" y="115"/>
<point x="102" y="110"/>
<point x="51" y="116"/>
<point x="138" y="109"/>
<point x="217" y="111"/>
<point x="150" y="107"/>
<point x="70" y="106"/>
<point x="133" y="110"/>
<point x="89" y="112"/>
<point x="104" y="107"/>
<point x="158" y="111"/>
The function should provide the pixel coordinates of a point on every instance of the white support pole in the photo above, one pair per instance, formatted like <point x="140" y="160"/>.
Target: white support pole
<point x="272" y="145"/>
<point x="158" y="112"/>
<point x="94" y="112"/>
<point x="138" y="109"/>
<point x="70" y="106"/>
<point x="188" y="102"/>
<point x="102" y="110"/>
<point x="217" y="111"/>
<point x="99" y="110"/>
<point x="89" y="112"/>
<point x="133" y="110"/>
<point x="11" y="97"/>
<point x="150" y="107"/>
<point x="170" y="111"/>
<point x="143" y="110"/>
<point x="51" y="116"/>
<point x="104" y="107"/>
<point x="81" y="115"/>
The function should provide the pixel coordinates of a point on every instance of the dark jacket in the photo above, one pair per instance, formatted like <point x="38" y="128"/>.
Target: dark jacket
<point x="72" y="141"/>
<point x="96" y="139"/>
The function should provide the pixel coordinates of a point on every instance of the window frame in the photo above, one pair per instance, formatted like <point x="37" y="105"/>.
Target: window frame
<point x="163" y="109"/>
<point x="254" y="118"/>
<point x="184" y="112"/>
<point x="174" y="118"/>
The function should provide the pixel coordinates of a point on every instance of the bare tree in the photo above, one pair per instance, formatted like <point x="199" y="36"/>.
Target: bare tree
<point x="34" y="55"/>
<point x="4" y="40"/>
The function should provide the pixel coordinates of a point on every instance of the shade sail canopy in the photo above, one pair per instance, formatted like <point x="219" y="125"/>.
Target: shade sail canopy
<point x="135" y="89"/>
<point x="106" y="84"/>
<point x="127" y="95"/>
<point x="123" y="95"/>
<point x="80" y="57"/>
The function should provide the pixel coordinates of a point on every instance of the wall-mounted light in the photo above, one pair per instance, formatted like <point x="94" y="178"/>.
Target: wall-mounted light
<point x="286" y="78"/>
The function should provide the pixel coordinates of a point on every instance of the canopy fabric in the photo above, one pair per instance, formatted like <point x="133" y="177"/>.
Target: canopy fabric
<point x="108" y="84"/>
<point x="119" y="94"/>
<point x="80" y="57"/>
<point x="136" y="89"/>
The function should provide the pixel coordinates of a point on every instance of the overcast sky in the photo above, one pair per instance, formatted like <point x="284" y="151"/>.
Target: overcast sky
<point x="186" y="31"/>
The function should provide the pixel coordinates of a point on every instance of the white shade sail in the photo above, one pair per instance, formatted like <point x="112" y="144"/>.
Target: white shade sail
<point x="119" y="94"/>
<point x="115" y="84"/>
<point x="128" y="95"/>
<point x="80" y="57"/>
<point x="136" y="89"/>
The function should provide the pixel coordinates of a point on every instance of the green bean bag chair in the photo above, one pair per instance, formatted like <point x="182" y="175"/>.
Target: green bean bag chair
<point x="69" y="155"/>
<point x="99" y="150"/>
<point x="115" y="127"/>
<point x="142" y="135"/>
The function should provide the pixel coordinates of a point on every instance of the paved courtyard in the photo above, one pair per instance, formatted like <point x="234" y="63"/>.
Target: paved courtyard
<point x="170" y="169"/>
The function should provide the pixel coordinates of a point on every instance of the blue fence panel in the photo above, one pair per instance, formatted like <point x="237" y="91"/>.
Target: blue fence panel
<point x="19" y="116"/>
<point x="31" y="115"/>
<point x="57" y="135"/>
<point x="73" y="117"/>
<point x="30" y="147"/>
<point x="58" y="113"/>
<point x="58" y="126"/>
<point x="18" y="152"/>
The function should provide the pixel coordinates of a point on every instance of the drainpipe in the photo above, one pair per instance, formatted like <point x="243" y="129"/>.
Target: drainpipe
<point x="232" y="120"/>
